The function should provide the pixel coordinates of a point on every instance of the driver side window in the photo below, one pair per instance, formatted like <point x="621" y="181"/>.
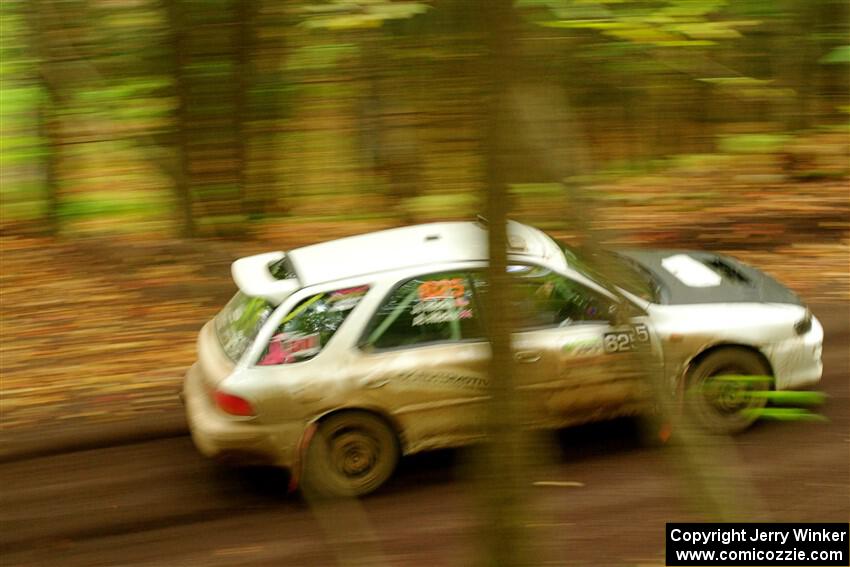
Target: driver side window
<point x="544" y="299"/>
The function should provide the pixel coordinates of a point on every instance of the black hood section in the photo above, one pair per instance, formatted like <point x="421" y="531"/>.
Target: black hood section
<point x="739" y="283"/>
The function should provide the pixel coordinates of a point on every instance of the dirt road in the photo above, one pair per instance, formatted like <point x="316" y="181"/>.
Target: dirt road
<point x="602" y="499"/>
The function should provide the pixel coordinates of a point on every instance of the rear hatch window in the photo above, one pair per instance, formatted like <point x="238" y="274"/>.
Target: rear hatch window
<point x="238" y="324"/>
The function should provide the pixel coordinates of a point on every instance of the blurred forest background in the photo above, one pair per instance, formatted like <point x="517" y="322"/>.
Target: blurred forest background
<point x="244" y="118"/>
<point x="147" y="143"/>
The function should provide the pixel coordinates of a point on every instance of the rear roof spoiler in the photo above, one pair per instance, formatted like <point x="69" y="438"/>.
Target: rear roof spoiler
<point x="253" y="278"/>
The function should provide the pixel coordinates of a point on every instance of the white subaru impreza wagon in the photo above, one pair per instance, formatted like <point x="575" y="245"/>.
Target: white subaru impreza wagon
<point x="335" y="359"/>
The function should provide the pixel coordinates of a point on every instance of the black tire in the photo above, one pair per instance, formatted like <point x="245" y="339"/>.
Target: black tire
<point x="725" y="407"/>
<point x="352" y="454"/>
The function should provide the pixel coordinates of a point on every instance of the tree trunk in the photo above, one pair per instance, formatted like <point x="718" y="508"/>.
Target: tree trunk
<point x="502" y="467"/>
<point x="268" y="106"/>
<point x="182" y="185"/>
<point x="49" y="125"/>
<point x="246" y="15"/>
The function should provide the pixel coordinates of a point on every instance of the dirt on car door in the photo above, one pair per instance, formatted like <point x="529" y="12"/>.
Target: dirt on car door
<point x="601" y="372"/>
<point x="434" y="393"/>
<point x="425" y="361"/>
<point x="574" y="363"/>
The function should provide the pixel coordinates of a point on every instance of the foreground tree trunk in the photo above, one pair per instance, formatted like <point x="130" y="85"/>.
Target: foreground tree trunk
<point x="503" y="456"/>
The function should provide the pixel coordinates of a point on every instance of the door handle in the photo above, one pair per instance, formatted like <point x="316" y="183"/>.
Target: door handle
<point x="528" y="356"/>
<point x="373" y="383"/>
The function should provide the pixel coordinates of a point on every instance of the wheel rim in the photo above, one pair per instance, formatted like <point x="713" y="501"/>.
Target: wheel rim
<point x="355" y="455"/>
<point x="728" y="397"/>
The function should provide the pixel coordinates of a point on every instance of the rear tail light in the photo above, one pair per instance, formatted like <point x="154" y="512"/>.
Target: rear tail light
<point x="234" y="405"/>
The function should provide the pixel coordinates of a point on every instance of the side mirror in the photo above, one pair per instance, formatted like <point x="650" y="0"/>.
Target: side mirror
<point x="622" y="313"/>
<point x="615" y="314"/>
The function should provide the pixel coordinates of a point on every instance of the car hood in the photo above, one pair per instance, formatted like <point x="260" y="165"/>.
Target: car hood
<point x="693" y="277"/>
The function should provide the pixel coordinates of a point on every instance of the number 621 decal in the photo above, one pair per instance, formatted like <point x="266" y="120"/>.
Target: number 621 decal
<point x="624" y="341"/>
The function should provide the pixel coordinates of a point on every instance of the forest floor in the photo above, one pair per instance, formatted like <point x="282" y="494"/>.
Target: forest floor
<point x="102" y="329"/>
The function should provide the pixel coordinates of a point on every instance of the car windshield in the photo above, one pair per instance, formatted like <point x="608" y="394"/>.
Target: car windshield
<point x="239" y="322"/>
<point x="611" y="269"/>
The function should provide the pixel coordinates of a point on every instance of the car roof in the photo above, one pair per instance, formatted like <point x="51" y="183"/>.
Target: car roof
<point x="410" y="246"/>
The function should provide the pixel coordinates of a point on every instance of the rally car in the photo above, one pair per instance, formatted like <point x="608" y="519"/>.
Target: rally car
<point x="335" y="359"/>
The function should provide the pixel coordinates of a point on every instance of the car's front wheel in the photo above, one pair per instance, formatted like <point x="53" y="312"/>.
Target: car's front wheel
<point x="721" y="389"/>
<point x="352" y="454"/>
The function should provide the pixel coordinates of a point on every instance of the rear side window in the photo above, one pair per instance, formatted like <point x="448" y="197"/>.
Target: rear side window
<point x="239" y="322"/>
<point x="306" y="330"/>
<point x="427" y="309"/>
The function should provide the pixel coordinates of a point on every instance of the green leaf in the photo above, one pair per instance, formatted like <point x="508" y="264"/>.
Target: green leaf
<point x="706" y="30"/>
<point x="790" y="397"/>
<point x="752" y="143"/>
<point x="741" y="379"/>
<point x="785" y="414"/>
<point x="838" y="55"/>
<point x="361" y="14"/>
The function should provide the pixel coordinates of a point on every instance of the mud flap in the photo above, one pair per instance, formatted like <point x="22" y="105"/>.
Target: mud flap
<point x="297" y="471"/>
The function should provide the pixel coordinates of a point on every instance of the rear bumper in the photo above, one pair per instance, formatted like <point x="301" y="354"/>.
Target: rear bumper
<point x="797" y="362"/>
<point x="234" y="440"/>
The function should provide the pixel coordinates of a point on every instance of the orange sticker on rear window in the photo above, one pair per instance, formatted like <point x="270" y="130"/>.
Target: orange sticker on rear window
<point x="442" y="289"/>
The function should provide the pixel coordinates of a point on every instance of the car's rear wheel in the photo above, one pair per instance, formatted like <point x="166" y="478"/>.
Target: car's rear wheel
<point x="352" y="454"/>
<point x="721" y="386"/>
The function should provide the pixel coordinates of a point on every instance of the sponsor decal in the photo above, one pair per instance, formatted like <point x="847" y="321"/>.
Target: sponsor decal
<point x="438" y="311"/>
<point x="347" y="299"/>
<point x="447" y="379"/>
<point x="287" y="348"/>
<point x="625" y="341"/>
<point x="441" y="301"/>
<point x="439" y="289"/>
<point x="584" y="347"/>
